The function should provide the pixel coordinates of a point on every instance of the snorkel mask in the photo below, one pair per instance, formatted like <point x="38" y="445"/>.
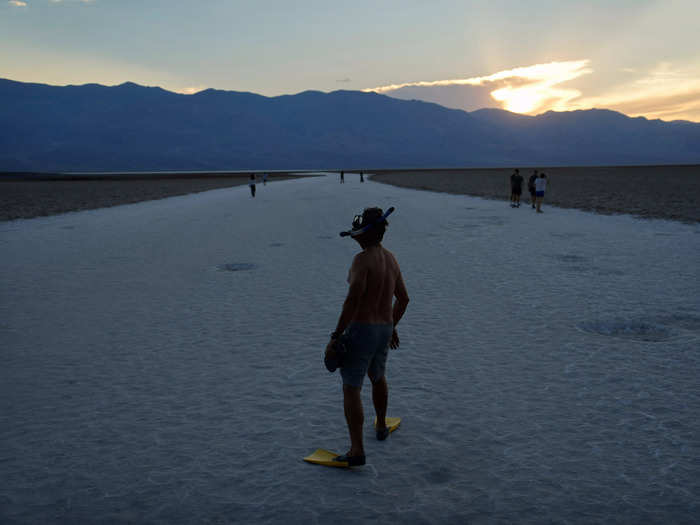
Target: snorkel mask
<point x="358" y="227"/>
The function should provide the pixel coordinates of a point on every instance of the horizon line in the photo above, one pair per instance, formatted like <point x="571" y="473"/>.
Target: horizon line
<point x="363" y="91"/>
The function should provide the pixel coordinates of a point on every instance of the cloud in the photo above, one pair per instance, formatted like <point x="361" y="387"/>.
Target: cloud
<point x="468" y="98"/>
<point x="17" y="3"/>
<point x="522" y="90"/>
<point x="664" y="92"/>
<point x="537" y="72"/>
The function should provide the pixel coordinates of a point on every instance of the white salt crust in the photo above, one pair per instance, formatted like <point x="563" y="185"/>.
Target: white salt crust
<point x="162" y="363"/>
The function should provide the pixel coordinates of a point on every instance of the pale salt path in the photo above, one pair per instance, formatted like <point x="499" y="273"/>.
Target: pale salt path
<point x="161" y="363"/>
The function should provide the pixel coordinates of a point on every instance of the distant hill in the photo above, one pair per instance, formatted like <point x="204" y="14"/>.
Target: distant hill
<point x="131" y="127"/>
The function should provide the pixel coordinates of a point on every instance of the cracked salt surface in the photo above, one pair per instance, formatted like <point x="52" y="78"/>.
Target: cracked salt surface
<point x="137" y="385"/>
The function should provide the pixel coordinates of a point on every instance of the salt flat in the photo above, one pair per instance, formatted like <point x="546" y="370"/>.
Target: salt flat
<point x="162" y="362"/>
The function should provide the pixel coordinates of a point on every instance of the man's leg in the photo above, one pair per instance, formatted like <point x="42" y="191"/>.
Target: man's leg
<point x="380" y="398"/>
<point x="355" y="418"/>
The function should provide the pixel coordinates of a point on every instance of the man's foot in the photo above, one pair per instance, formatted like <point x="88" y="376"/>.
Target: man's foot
<point x="383" y="433"/>
<point x="352" y="461"/>
<point x="539" y="211"/>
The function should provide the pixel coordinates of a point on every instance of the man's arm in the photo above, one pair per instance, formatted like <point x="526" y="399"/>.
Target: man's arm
<point x="399" y="308"/>
<point x="401" y="299"/>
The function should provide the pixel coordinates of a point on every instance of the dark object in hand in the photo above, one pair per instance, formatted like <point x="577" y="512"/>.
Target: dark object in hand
<point x="335" y="354"/>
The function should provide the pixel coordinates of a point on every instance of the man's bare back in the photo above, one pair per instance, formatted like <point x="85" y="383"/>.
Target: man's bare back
<point x="375" y="279"/>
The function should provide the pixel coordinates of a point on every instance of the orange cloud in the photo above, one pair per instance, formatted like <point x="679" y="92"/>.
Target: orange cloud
<point x="664" y="92"/>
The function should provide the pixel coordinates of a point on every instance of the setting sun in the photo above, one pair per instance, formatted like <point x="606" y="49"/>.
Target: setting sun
<point x="521" y="100"/>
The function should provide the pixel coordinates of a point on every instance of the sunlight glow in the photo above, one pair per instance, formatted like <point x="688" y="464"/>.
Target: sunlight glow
<point x="521" y="100"/>
<point x="190" y="90"/>
<point x="522" y="89"/>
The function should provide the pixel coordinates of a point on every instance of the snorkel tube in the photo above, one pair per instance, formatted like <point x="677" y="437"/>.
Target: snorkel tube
<point x="363" y="229"/>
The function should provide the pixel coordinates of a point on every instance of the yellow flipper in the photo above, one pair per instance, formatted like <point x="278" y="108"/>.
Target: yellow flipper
<point x="325" y="457"/>
<point x="392" y="423"/>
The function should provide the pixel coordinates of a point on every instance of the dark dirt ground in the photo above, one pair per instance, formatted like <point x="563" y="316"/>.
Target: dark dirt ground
<point x="25" y="196"/>
<point x="663" y="192"/>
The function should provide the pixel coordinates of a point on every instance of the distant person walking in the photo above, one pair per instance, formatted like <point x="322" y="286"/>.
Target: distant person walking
<point x="265" y="179"/>
<point x="531" y="188"/>
<point x="362" y="177"/>
<point x="368" y="321"/>
<point x="516" y="188"/>
<point x="342" y="177"/>
<point x="251" y="183"/>
<point x="540" y="187"/>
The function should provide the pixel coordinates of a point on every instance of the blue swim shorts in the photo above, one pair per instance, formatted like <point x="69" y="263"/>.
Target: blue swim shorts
<point x="540" y="194"/>
<point x="368" y="347"/>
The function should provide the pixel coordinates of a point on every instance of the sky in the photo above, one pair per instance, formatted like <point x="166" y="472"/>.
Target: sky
<point x="639" y="57"/>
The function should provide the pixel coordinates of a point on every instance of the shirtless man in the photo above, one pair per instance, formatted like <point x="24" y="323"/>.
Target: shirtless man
<point x="516" y="188"/>
<point x="369" y="321"/>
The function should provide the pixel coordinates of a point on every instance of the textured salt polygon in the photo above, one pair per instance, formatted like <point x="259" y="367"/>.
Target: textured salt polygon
<point x="162" y="362"/>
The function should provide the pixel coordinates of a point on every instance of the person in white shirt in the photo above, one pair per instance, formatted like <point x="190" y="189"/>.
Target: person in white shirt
<point x="540" y="187"/>
<point x="531" y="188"/>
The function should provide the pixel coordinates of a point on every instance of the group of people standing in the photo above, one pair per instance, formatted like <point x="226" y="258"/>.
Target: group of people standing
<point x="536" y="185"/>
<point x="251" y="182"/>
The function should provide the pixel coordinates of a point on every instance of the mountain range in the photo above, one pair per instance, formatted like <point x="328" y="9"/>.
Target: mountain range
<point x="135" y="128"/>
